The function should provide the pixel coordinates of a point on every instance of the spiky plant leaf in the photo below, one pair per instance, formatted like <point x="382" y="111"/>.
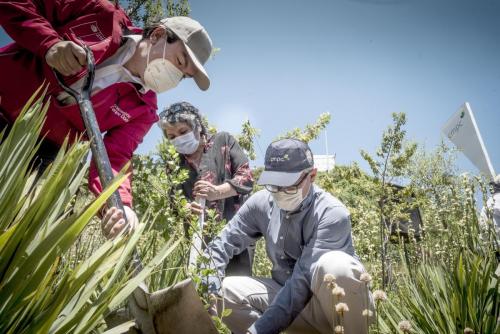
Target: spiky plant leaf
<point x="40" y="292"/>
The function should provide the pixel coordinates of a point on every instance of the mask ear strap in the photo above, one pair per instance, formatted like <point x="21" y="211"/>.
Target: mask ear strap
<point x="198" y="132"/>
<point x="164" y="47"/>
<point x="149" y="50"/>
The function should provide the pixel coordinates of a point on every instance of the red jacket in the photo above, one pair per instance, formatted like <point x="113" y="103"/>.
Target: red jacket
<point x="122" y="112"/>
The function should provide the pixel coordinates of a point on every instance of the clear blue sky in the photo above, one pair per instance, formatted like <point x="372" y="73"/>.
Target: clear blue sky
<point x="283" y="62"/>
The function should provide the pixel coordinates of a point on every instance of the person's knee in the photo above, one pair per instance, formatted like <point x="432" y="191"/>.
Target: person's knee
<point x="347" y="271"/>
<point x="345" y="268"/>
<point x="230" y="287"/>
<point x="337" y="263"/>
<point x="229" y="293"/>
<point x="235" y="289"/>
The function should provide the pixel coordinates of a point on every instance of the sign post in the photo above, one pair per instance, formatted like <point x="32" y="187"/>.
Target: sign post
<point x="462" y="130"/>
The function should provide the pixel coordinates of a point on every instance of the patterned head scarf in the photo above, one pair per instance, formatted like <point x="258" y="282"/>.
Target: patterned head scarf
<point x="182" y="112"/>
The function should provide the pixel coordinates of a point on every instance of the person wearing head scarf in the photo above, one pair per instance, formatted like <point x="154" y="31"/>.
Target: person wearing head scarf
<point x="218" y="168"/>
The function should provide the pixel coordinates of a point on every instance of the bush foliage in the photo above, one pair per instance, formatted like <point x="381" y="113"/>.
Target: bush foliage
<point x="58" y="275"/>
<point x="49" y="280"/>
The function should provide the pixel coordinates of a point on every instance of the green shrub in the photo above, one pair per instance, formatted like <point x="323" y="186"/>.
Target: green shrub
<point x="40" y="290"/>
<point x="437" y="300"/>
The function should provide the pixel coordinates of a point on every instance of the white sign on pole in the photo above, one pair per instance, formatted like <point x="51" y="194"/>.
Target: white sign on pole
<point x="462" y="130"/>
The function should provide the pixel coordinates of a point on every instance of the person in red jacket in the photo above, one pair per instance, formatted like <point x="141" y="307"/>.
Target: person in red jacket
<point x="132" y="66"/>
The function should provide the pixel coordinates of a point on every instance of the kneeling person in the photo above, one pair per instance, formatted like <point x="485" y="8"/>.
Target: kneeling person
<point x="307" y="233"/>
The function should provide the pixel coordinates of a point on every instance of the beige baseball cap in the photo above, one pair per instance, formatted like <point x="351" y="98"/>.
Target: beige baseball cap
<point x="197" y="42"/>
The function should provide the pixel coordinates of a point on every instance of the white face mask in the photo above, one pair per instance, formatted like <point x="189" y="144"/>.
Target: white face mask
<point x="160" y="74"/>
<point x="186" y="144"/>
<point x="288" y="202"/>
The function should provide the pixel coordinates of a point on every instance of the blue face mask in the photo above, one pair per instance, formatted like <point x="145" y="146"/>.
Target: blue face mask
<point x="186" y="144"/>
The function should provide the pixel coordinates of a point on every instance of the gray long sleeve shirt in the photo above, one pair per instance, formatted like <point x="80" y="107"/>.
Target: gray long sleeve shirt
<point x="294" y="243"/>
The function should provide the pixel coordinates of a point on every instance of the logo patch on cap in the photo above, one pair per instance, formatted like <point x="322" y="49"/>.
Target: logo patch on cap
<point x="280" y="159"/>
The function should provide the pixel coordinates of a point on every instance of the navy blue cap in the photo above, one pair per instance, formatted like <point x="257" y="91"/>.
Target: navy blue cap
<point x="285" y="161"/>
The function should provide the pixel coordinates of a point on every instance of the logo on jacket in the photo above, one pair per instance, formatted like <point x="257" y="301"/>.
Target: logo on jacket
<point x="125" y="116"/>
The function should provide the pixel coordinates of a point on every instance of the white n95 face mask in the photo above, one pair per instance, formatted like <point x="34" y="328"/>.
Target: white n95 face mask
<point x="288" y="202"/>
<point x="160" y="74"/>
<point x="186" y="144"/>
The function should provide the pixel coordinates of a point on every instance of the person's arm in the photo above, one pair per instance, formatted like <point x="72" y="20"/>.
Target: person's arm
<point x="242" y="230"/>
<point x="496" y="204"/>
<point x="333" y="233"/>
<point x="242" y="179"/>
<point x="120" y="143"/>
<point x="29" y="23"/>
<point x="205" y="189"/>
<point x="491" y="210"/>
<point x="496" y="214"/>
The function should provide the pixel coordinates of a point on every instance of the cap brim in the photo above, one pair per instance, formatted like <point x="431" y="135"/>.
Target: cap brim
<point x="280" y="179"/>
<point x="200" y="77"/>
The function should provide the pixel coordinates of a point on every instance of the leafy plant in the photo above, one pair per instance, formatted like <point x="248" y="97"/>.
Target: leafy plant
<point x="392" y="157"/>
<point x="157" y="188"/>
<point x="358" y="191"/>
<point x="437" y="300"/>
<point x="246" y="138"/>
<point x="311" y="131"/>
<point x="41" y="292"/>
<point x="157" y="180"/>
<point x="145" y="12"/>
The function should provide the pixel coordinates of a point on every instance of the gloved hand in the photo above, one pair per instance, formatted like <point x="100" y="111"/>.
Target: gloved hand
<point x="66" y="57"/>
<point x="113" y="222"/>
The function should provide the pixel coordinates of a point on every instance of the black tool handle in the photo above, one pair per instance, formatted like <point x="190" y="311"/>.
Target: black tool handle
<point x="99" y="153"/>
